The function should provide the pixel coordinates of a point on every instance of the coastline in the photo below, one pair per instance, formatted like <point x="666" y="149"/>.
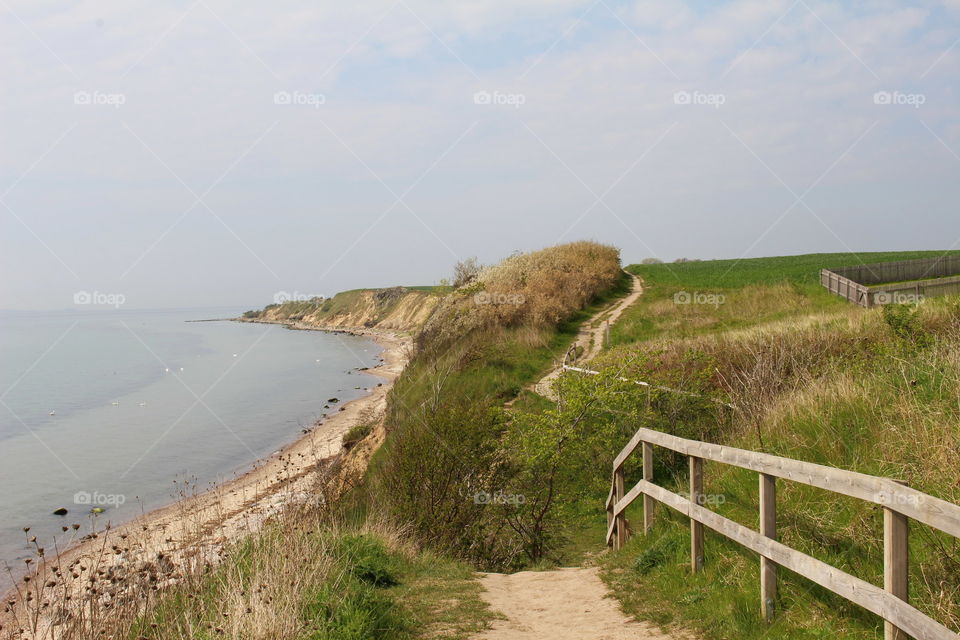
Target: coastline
<point x="199" y="527"/>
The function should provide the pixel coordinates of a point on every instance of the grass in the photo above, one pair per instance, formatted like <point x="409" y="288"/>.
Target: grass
<point x="348" y="584"/>
<point x="445" y="420"/>
<point x="752" y="290"/>
<point x="813" y="378"/>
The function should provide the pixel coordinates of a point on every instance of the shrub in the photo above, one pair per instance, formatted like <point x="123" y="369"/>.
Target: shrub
<point x="356" y="433"/>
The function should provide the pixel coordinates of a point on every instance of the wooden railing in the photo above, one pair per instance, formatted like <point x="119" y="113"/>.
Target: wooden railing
<point x="900" y="504"/>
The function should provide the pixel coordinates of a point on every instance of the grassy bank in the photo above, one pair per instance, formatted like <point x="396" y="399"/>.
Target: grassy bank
<point x="448" y="469"/>
<point x="477" y="472"/>
<point x="812" y="378"/>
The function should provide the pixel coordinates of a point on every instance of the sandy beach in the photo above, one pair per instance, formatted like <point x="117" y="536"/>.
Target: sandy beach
<point x="197" y="527"/>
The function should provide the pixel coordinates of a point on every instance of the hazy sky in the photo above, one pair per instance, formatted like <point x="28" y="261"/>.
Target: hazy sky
<point x="214" y="153"/>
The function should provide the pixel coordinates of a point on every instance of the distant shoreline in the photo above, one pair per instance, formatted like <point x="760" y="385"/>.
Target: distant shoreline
<point x="206" y="522"/>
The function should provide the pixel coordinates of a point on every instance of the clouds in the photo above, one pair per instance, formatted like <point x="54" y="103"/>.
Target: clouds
<point x="317" y="183"/>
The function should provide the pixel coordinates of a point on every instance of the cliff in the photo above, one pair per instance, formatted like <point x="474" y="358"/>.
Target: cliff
<point x="394" y="309"/>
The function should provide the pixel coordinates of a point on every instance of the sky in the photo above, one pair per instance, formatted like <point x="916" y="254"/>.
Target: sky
<point x="210" y="153"/>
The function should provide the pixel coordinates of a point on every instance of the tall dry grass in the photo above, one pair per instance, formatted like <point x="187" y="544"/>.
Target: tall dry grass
<point x="876" y="392"/>
<point x="539" y="289"/>
<point x="253" y="587"/>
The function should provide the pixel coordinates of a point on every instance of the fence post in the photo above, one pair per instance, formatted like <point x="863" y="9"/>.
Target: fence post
<point x="619" y="492"/>
<point x="610" y="515"/>
<point x="648" y="501"/>
<point x="896" y="554"/>
<point x="768" y="528"/>
<point x="696" y="528"/>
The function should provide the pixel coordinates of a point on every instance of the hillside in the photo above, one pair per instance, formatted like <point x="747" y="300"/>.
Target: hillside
<point x="469" y="468"/>
<point x="394" y="309"/>
<point x="809" y="377"/>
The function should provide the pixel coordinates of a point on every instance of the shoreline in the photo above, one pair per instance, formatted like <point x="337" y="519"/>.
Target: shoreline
<point x="201" y="525"/>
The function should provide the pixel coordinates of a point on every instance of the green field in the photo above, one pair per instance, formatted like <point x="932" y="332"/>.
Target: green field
<point x="813" y="378"/>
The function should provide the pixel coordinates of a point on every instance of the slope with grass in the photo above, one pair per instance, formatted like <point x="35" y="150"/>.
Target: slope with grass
<point x="590" y="338"/>
<point x="810" y="377"/>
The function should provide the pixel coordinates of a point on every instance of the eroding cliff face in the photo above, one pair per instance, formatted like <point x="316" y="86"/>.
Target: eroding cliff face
<point x="395" y="309"/>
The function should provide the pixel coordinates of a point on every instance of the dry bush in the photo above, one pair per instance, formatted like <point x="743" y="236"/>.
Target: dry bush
<point x="541" y="288"/>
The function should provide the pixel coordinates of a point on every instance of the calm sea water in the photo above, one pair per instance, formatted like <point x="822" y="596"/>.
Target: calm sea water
<point x="116" y="408"/>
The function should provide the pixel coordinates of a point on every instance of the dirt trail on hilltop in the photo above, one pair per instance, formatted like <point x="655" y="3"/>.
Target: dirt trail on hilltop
<point x="589" y="339"/>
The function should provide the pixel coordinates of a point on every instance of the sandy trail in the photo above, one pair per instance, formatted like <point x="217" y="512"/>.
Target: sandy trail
<point x="589" y="339"/>
<point x="566" y="604"/>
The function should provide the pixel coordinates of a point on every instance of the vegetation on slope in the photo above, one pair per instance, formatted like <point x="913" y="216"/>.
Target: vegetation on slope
<point x="447" y="469"/>
<point x="772" y="363"/>
<point x="810" y="377"/>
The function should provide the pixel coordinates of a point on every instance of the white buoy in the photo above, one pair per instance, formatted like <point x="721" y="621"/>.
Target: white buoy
<point x="166" y="369"/>
<point x="52" y="413"/>
<point x="234" y="355"/>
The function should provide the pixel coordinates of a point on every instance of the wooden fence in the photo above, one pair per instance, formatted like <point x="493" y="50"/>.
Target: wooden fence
<point x="900" y="504"/>
<point x="887" y="282"/>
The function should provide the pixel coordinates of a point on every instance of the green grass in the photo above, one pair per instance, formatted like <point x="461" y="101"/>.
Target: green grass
<point x="369" y="591"/>
<point x="443" y="598"/>
<point x="755" y="290"/>
<point x="880" y="399"/>
<point x="803" y="269"/>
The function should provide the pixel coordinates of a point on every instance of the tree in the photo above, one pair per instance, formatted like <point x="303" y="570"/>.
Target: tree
<point x="557" y="454"/>
<point x="465" y="272"/>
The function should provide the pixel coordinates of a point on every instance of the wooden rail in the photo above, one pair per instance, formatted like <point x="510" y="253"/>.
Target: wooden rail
<point x="900" y="504"/>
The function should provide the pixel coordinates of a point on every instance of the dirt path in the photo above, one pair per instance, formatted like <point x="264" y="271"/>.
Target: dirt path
<point x="589" y="340"/>
<point x="566" y="604"/>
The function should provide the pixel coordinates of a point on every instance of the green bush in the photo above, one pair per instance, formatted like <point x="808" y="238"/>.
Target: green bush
<point x="367" y="559"/>
<point x="357" y="433"/>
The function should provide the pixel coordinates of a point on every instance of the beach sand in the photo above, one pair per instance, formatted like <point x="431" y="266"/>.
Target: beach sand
<point x="200" y="526"/>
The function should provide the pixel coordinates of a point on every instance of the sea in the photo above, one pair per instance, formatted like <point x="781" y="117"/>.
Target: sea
<point x="109" y="414"/>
